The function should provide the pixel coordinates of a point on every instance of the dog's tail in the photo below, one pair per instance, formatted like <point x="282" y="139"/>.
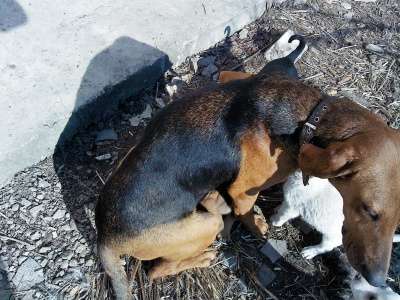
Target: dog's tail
<point x="396" y="238"/>
<point x="300" y="48"/>
<point x="110" y="259"/>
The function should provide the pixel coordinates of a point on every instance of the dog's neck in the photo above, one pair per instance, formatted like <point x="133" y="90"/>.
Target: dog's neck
<point x="343" y="119"/>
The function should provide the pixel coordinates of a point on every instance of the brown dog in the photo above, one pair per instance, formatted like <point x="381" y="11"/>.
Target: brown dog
<point x="360" y="155"/>
<point x="241" y="138"/>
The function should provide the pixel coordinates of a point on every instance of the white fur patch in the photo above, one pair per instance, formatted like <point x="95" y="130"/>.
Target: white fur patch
<point x="319" y="204"/>
<point x="362" y="290"/>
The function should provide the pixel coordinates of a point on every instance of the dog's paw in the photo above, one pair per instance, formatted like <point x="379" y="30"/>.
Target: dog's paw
<point x="311" y="252"/>
<point x="261" y="225"/>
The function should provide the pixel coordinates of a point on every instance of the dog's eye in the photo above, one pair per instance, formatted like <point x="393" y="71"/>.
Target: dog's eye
<point x="371" y="213"/>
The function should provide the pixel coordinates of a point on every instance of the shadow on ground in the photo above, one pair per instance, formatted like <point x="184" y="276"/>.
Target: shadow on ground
<point x="75" y="170"/>
<point x="6" y="291"/>
<point x="11" y="15"/>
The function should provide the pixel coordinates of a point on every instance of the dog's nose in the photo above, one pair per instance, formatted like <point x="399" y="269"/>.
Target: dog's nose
<point x="374" y="278"/>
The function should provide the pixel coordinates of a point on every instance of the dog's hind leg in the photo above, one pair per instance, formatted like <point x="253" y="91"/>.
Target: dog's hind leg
<point x="188" y="244"/>
<point x="178" y="246"/>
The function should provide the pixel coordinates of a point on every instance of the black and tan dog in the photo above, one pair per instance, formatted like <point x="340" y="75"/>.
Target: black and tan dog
<point x="243" y="137"/>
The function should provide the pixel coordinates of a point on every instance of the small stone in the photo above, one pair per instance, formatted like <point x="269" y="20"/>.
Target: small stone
<point x="89" y="263"/>
<point x="106" y="135"/>
<point x="34" y="211"/>
<point x="66" y="228"/>
<point x="44" y="250"/>
<point x="146" y="114"/>
<point x="265" y="275"/>
<point x="43" y="184"/>
<point x="67" y="255"/>
<point x="346" y="5"/>
<point x="209" y="70"/>
<point x="30" y="247"/>
<point x="103" y="157"/>
<point x="64" y="265"/>
<point x="25" y="202"/>
<point x="348" y="16"/>
<point x="81" y="249"/>
<point x="15" y="207"/>
<point x="36" y="236"/>
<point x="21" y="259"/>
<point x="365" y="1"/>
<point x="44" y="262"/>
<point x="59" y="214"/>
<point x="40" y="197"/>
<point x="73" y="263"/>
<point x="28" y="274"/>
<point x="205" y="61"/>
<point x="29" y="295"/>
<point x="243" y="33"/>
<point x="374" y="48"/>
<point x="274" y="249"/>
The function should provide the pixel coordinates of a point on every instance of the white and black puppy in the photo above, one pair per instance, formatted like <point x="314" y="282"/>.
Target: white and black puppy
<point x="319" y="204"/>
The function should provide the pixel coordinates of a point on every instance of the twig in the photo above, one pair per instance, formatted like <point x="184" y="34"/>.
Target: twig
<point x="387" y="75"/>
<point x="4" y="216"/>
<point x="259" y="284"/>
<point x="314" y="76"/>
<point x="311" y="294"/>
<point x="14" y="240"/>
<point x="101" y="179"/>
<point x="155" y="98"/>
<point x="343" y="48"/>
<point x="250" y="57"/>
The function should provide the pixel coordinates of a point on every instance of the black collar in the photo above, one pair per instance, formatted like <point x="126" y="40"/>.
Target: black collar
<point x="311" y="124"/>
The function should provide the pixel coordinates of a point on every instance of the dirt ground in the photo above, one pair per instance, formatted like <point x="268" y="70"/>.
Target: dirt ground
<point x="339" y="62"/>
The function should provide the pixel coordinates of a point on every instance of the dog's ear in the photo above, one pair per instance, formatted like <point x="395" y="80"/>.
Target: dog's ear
<point x="334" y="161"/>
<point x="227" y="76"/>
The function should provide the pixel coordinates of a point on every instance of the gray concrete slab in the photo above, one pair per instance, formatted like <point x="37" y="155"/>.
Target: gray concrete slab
<point x="63" y="63"/>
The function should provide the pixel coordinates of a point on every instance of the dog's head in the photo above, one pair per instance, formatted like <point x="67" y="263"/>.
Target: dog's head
<point x="366" y="170"/>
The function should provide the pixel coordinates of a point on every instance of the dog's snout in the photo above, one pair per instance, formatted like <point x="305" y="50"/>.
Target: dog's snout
<point x="375" y="278"/>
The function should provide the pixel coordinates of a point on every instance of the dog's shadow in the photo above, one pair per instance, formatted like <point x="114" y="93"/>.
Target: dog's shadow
<point x="6" y="292"/>
<point x="77" y="171"/>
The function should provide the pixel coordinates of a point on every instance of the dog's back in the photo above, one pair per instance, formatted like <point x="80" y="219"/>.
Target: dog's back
<point x="179" y="160"/>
